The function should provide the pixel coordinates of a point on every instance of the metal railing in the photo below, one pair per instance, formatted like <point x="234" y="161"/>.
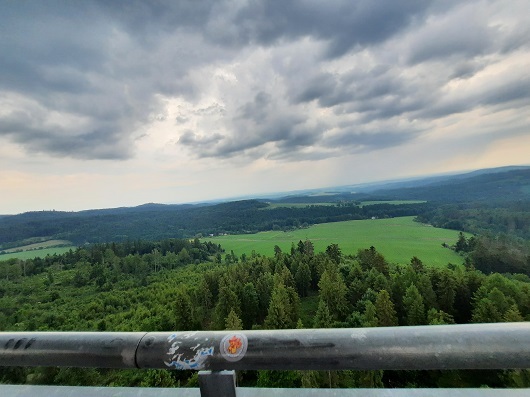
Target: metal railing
<point x="470" y="346"/>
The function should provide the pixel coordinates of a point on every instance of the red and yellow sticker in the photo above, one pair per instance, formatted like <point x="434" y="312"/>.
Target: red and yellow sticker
<point x="234" y="346"/>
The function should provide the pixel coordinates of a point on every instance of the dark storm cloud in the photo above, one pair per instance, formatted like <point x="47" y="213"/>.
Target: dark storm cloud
<point x="513" y="91"/>
<point x="74" y="61"/>
<point x="380" y="93"/>
<point x="256" y="123"/>
<point x="324" y="89"/>
<point x="84" y="80"/>
<point x="344" y="24"/>
<point x="357" y="86"/>
<point x="265" y="120"/>
<point x="29" y="129"/>
<point x="189" y="138"/>
<point x="463" y="37"/>
<point x="55" y="65"/>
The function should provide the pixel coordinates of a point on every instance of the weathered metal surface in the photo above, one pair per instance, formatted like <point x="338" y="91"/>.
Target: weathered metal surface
<point x="217" y="383"/>
<point x="69" y="349"/>
<point x="73" y="391"/>
<point x="76" y="391"/>
<point x="470" y="346"/>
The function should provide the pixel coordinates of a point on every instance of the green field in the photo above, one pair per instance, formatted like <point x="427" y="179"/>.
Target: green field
<point x="36" y="253"/>
<point x="398" y="239"/>
<point x="39" y="245"/>
<point x="294" y="205"/>
<point x="394" y="202"/>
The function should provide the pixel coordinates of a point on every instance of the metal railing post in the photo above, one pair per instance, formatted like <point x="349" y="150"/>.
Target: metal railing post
<point x="217" y="383"/>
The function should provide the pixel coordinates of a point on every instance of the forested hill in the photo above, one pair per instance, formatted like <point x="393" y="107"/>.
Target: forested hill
<point x="496" y="200"/>
<point x="156" y="222"/>
<point x="494" y="188"/>
<point x="495" y="185"/>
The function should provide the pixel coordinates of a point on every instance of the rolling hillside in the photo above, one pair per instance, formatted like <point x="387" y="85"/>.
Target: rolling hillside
<point x="487" y="191"/>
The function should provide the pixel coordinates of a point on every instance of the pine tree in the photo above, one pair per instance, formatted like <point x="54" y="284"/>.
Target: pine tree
<point x="417" y="264"/>
<point x="249" y="305"/>
<point x="445" y="290"/>
<point x="370" y="315"/>
<point x="278" y="315"/>
<point x="322" y="318"/>
<point x="183" y="311"/>
<point x="424" y="285"/>
<point x="333" y="292"/>
<point x="302" y="278"/>
<point x="370" y="258"/>
<point x="386" y="314"/>
<point x="264" y="287"/>
<point x="334" y="253"/>
<point x="414" y="308"/>
<point x="309" y="249"/>
<point x="294" y="305"/>
<point x="233" y="322"/>
<point x="228" y="301"/>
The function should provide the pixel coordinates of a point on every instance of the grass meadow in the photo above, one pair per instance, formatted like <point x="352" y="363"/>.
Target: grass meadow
<point x="398" y="239"/>
<point x="34" y="253"/>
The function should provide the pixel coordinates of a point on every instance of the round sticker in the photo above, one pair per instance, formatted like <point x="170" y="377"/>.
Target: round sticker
<point x="234" y="346"/>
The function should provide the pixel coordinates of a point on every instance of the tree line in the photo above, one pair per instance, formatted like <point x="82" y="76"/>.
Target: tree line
<point x="159" y="222"/>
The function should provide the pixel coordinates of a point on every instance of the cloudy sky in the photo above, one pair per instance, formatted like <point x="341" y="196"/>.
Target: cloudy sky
<point x="106" y="104"/>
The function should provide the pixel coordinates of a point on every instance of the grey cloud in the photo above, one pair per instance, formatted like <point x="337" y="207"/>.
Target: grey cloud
<point x="145" y="19"/>
<point x="257" y="110"/>
<point x="359" y="141"/>
<point x="379" y="93"/>
<point x="465" y="39"/>
<point x="258" y="122"/>
<point x="189" y="138"/>
<point x="344" y="24"/>
<point x="75" y="62"/>
<point x="466" y="69"/>
<point x="31" y="129"/>
<point x="327" y="89"/>
<point x="513" y="91"/>
<point x="209" y="110"/>
<point x="106" y="63"/>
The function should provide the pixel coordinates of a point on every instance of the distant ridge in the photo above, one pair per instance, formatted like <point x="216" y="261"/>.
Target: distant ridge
<point x="155" y="221"/>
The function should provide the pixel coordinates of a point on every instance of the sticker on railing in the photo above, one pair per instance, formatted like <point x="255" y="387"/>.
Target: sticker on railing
<point x="234" y="346"/>
<point x="187" y="357"/>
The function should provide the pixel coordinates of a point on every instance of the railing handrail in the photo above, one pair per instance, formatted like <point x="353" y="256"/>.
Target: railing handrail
<point x="465" y="346"/>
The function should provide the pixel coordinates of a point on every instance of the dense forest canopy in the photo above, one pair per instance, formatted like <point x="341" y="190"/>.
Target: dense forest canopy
<point x="193" y="285"/>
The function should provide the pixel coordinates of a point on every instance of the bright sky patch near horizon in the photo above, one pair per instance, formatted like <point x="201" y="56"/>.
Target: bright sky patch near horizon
<point x="107" y="104"/>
